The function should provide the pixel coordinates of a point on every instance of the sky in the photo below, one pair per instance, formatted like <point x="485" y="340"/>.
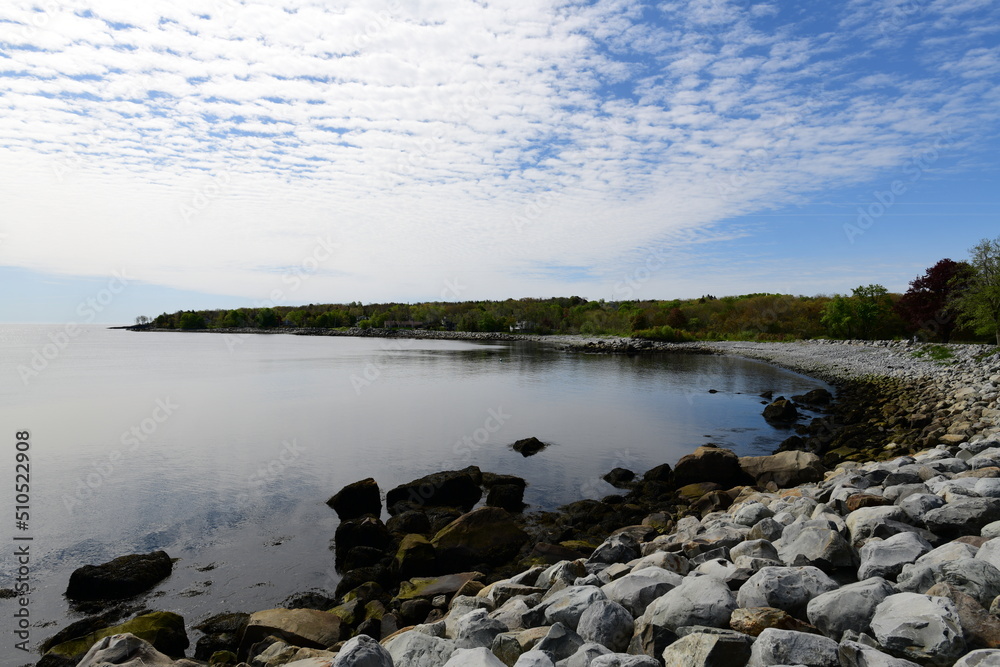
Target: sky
<point x="228" y="153"/>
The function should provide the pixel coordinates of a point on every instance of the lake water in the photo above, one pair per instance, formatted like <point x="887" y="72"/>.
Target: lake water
<point x="222" y="450"/>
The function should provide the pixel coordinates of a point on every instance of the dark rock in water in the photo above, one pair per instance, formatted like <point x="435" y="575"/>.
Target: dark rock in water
<point x="163" y="629"/>
<point x="365" y="532"/>
<point x="619" y="477"/>
<point x="815" y="397"/>
<point x="351" y="579"/>
<point x="491" y="479"/>
<point x="120" y="578"/>
<point x="528" y="446"/>
<point x="415" y="557"/>
<point x="781" y="410"/>
<point x="441" y="517"/>
<point x="768" y="395"/>
<point x="363" y="557"/>
<point x="793" y="443"/>
<point x="487" y="535"/>
<point x="452" y="488"/>
<point x="506" y="496"/>
<point x="357" y="499"/>
<point x="306" y="600"/>
<point x="661" y="473"/>
<point x="412" y="521"/>
<point x="709" y="463"/>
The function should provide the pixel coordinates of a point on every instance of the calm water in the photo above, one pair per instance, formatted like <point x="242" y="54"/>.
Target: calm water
<point x="222" y="450"/>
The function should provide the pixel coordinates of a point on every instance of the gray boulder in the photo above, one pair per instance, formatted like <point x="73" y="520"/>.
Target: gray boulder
<point x="748" y="514"/>
<point x="476" y="629"/>
<point x="754" y="549"/>
<point x="865" y="522"/>
<point x="584" y="656"/>
<point x="473" y="657"/>
<point x="624" y="660"/>
<point x="702" y="649"/>
<point x="821" y="547"/>
<point x="363" y="651"/>
<point x="635" y="591"/>
<point x="620" y="548"/>
<point x="855" y="654"/>
<point x="417" y="649"/>
<point x="786" y="647"/>
<point x="971" y="576"/>
<point x="990" y="552"/>
<point x="886" y="558"/>
<point x="534" y="659"/>
<point x="568" y="605"/>
<point x="766" y="529"/>
<point x="126" y="650"/>
<point x="920" y="628"/>
<point x="848" y="608"/>
<point x="963" y="516"/>
<point x="917" y="505"/>
<point x="607" y="623"/>
<point x="698" y="601"/>
<point x="983" y="658"/>
<point x="787" y="588"/>
<point x="560" y="642"/>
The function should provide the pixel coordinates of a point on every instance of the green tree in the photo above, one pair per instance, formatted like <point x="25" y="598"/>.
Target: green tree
<point x="859" y="315"/>
<point x="192" y="320"/>
<point x="267" y="318"/>
<point x="979" y="303"/>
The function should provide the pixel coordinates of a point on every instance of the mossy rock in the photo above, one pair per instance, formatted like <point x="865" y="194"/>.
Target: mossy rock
<point x="120" y="578"/>
<point x="415" y="557"/>
<point x="163" y="629"/>
<point x="585" y="547"/>
<point x="374" y="610"/>
<point x="365" y="592"/>
<point x="223" y="658"/>
<point x="348" y="612"/>
<point x="429" y="587"/>
<point x="486" y="535"/>
<point x="695" y="491"/>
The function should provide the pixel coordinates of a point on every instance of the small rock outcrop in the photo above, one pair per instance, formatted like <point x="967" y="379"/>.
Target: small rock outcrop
<point x="122" y="577"/>
<point x="357" y="499"/>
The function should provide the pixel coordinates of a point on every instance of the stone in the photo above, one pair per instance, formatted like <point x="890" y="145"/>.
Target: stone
<point x="122" y="577"/>
<point x="784" y="469"/>
<point x="624" y="660"/>
<point x="534" y="659"/>
<point x="486" y="535"/>
<point x="920" y="628"/>
<point x="917" y="505"/>
<point x="982" y="629"/>
<point x="567" y="606"/>
<point x="415" y="557"/>
<point x="619" y="548"/>
<point x="451" y="488"/>
<point x="786" y="647"/>
<point x="982" y="658"/>
<point x="962" y="516"/>
<point x="786" y="588"/>
<point x="709" y="463"/>
<point x="473" y="657"/>
<point x="855" y="654"/>
<point x="975" y="577"/>
<point x="886" y="558"/>
<point x="850" y="607"/>
<point x="584" y="656"/>
<point x="766" y="529"/>
<point x="509" y="646"/>
<point x="754" y="620"/>
<point x="124" y="650"/>
<point x="697" y="601"/>
<point x="990" y="552"/>
<point x="476" y="629"/>
<point x="749" y="514"/>
<point x="865" y="522"/>
<point x="309" y="628"/>
<point x="709" y="650"/>
<point x="410" y="521"/>
<point x="619" y="477"/>
<point x="417" y="649"/>
<point x="635" y="591"/>
<point x="357" y="499"/>
<point x="528" y="446"/>
<point x="607" y="623"/>
<point x="362" y="651"/>
<point x="781" y="410"/>
<point x="821" y="547"/>
<point x="367" y="532"/>
<point x="754" y="549"/>
<point x="506" y="496"/>
<point x="663" y="560"/>
<point x="561" y="642"/>
<point x="163" y="631"/>
<point x="430" y="587"/>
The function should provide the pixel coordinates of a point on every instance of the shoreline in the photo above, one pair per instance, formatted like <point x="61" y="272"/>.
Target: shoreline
<point x="889" y="404"/>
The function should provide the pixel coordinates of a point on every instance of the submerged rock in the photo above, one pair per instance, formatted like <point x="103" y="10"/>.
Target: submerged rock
<point x="122" y="577"/>
<point x="357" y="499"/>
<point x="528" y="446"/>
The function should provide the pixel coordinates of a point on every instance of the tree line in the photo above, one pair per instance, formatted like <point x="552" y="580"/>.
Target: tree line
<point x="950" y="301"/>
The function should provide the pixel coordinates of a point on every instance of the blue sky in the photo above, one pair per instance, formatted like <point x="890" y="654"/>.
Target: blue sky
<point x="227" y="153"/>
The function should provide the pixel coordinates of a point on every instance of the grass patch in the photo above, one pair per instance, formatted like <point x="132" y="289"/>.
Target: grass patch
<point x="938" y="353"/>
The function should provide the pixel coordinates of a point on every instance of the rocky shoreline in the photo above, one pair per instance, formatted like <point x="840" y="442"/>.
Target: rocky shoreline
<point x="870" y="539"/>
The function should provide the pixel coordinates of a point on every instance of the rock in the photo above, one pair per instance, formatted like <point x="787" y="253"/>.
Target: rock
<point x="560" y="641"/>
<point x="417" y="649"/>
<point x="509" y="646"/>
<point x="697" y="601"/>
<point x="528" y="446"/>
<point x="415" y="557"/>
<point x="818" y="396"/>
<point x="363" y="651"/>
<point x="920" y="628"/>
<point x="163" y="630"/>
<point x="784" y="469"/>
<point x="709" y="463"/>
<point x="506" y="496"/>
<point x="886" y="558"/>
<point x="701" y="649"/>
<point x="410" y="521"/>
<point x="821" y="547"/>
<point x="866" y="522"/>
<point x="766" y="529"/>
<point x="754" y="620"/>
<point x="850" y="607"/>
<point x="367" y="532"/>
<point x="624" y="660"/>
<point x="567" y="606"/>
<point x="781" y="410"/>
<point x="983" y="658"/>
<point x="619" y="548"/>
<point x="122" y="577"/>
<point x="785" y="647"/>
<point x="452" y="488"/>
<point x="476" y="629"/>
<point x="637" y="590"/>
<point x="607" y="623"/>
<point x="221" y="633"/>
<point x="982" y="629"/>
<point x="535" y="659"/>
<point x="356" y="500"/>
<point x="854" y="654"/>
<point x="990" y="552"/>
<point x="859" y="500"/>
<point x="749" y="514"/>
<point x="754" y="549"/>
<point x="975" y="577"/>
<point x="786" y="588"/>
<point x="302" y="627"/>
<point x="473" y="657"/>
<point x="584" y="656"/>
<point x="125" y="650"/>
<point x="962" y="516"/>
<point x="486" y="535"/>
<point x="430" y="587"/>
<point x="619" y="477"/>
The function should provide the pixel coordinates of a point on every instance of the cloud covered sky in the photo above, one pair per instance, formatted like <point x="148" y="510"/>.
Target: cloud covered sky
<point x="225" y="153"/>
